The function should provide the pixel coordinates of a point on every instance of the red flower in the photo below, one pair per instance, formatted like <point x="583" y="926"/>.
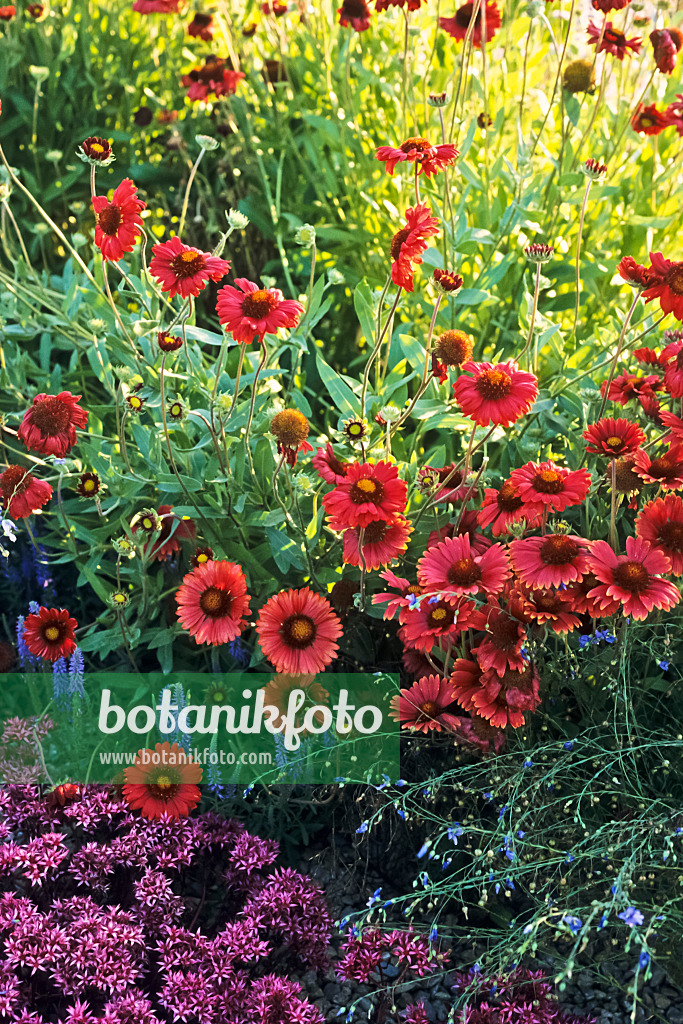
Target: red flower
<point x="328" y="466"/>
<point x="428" y="159"/>
<point x="212" y="600"/>
<point x="544" y="483"/>
<point x="666" y="284"/>
<point x="430" y="620"/>
<point x="660" y="523"/>
<point x="355" y="13"/>
<point x="458" y="25"/>
<point x="173" y="530"/>
<point x="666" y="48"/>
<point x="201" y="26"/>
<point x="454" y="568"/>
<point x="410" y="242"/>
<point x="501" y="646"/>
<point x="613" y="42"/>
<point x="297" y="630"/>
<point x="632" y="579"/>
<point x="609" y="5"/>
<point x="633" y="273"/>
<point x="673" y="376"/>
<point x="183" y="270"/>
<point x="215" y="76"/>
<point x="674" y="423"/>
<point x="248" y="310"/>
<point x="423" y="707"/>
<point x="613" y="438"/>
<point x="49" y="426"/>
<point x="650" y="357"/>
<point x="549" y="561"/>
<point x="156" y="6"/>
<point x="22" y="494"/>
<point x="627" y="386"/>
<point x="649" y="121"/>
<point x="274" y="7"/>
<point x="8" y="12"/>
<point x="576" y="597"/>
<point x="396" y="602"/>
<point x="368" y="492"/>
<point x="545" y="607"/>
<point x="382" y="542"/>
<point x="500" y="699"/>
<point x="119" y="222"/>
<point x="497" y="394"/>
<point x="501" y="508"/>
<point x="666" y="470"/>
<point x="50" y="633"/>
<point x="411" y="5"/>
<point x="162" y="782"/>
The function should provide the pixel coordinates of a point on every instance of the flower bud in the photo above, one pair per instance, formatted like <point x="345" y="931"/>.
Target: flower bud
<point x="118" y="599"/>
<point x="206" y="142"/>
<point x="539" y="252"/>
<point x="438" y="99"/>
<point x="593" y="169"/>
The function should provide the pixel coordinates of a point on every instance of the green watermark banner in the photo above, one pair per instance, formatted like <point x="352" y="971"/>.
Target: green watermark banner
<point x="238" y="728"/>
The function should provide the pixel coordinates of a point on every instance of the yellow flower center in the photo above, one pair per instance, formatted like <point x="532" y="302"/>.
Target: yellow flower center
<point x="614" y="442"/>
<point x="52" y="633"/>
<point x="366" y="485"/>
<point x="96" y="147"/>
<point x="188" y="256"/>
<point x="438" y="614"/>
<point x="163" y="782"/>
<point x="89" y="485"/>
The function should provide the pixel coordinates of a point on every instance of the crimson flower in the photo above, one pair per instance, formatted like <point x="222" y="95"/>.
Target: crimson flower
<point x="549" y="561"/>
<point x="452" y="566"/>
<point x="248" y="311"/>
<point x="660" y="523"/>
<point x="410" y="242"/>
<point x="632" y="580"/>
<point x="355" y="13"/>
<point x="499" y="393"/>
<point x="382" y="543"/>
<point x="609" y="5"/>
<point x="328" y="466"/>
<point x="119" y="223"/>
<point x="212" y="600"/>
<point x="49" y="426"/>
<point x="666" y="284"/>
<point x="428" y="159"/>
<point x="21" y="493"/>
<point x="423" y="707"/>
<point x="215" y="76"/>
<point x="503" y="507"/>
<point x="673" y="376"/>
<point x="297" y="631"/>
<point x="458" y="25"/>
<point x="544" y="483"/>
<point x="545" y="606"/>
<point x="50" y="633"/>
<point x="369" y="491"/>
<point x="666" y="43"/>
<point x="201" y="26"/>
<point x="500" y="699"/>
<point x="411" y="5"/>
<point x="649" y="121"/>
<point x="431" y="619"/>
<point x="156" y="6"/>
<point x="163" y="782"/>
<point x="501" y="646"/>
<point x="613" y="438"/>
<point x="396" y="602"/>
<point x="674" y="423"/>
<point x="665" y="470"/>
<point x="628" y="386"/>
<point x="633" y="273"/>
<point x="183" y="270"/>
<point x="613" y="41"/>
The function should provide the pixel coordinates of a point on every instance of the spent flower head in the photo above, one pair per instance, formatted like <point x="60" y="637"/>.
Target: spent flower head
<point x="438" y="99"/>
<point x="237" y="220"/>
<point x="305" y="236"/>
<point x="206" y="142"/>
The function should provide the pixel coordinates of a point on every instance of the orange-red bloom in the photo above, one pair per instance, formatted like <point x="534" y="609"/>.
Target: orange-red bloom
<point x="355" y="13"/>
<point x="544" y="483"/>
<point x="119" y="223"/>
<point x="249" y="312"/>
<point x="49" y="426"/>
<point x="162" y="782"/>
<point x="21" y="493"/>
<point x="410" y="242"/>
<point x="660" y="523"/>
<point x="613" y="438"/>
<point x="212" y="601"/>
<point x="50" y="633"/>
<point x="297" y="630"/>
<point x="183" y="270"/>
<point x="369" y="491"/>
<point x="382" y="543"/>
<point x="426" y="158"/>
<point x="649" y="121"/>
<point x="458" y="25"/>
<point x="424" y="707"/>
<point x="452" y="567"/>
<point x="215" y="76"/>
<point x="666" y="284"/>
<point x="613" y="41"/>
<point x="665" y="470"/>
<point x="499" y="394"/>
<point x="503" y="507"/>
<point x="633" y="580"/>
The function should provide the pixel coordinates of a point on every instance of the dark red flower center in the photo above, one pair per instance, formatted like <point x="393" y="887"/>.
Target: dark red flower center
<point x="558" y="550"/>
<point x="504" y="633"/>
<point x="548" y="481"/>
<point x="665" y="467"/>
<point x="618" y="38"/>
<point x="298" y="631"/>
<point x="366" y="489"/>
<point x="440" y="616"/>
<point x="463" y="573"/>
<point x="671" y="536"/>
<point x="376" y="532"/>
<point x="546" y="601"/>
<point x="257" y="305"/>
<point x="632" y="576"/>
<point x="508" y="499"/>
<point x="427" y="711"/>
<point x="109" y="219"/>
<point x="188" y="263"/>
<point x="354" y="9"/>
<point x="416" y="145"/>
<point x="397" y="241"/>
<point x="15" y="480"/>
<point x="493" y="385"/>
<point x="517" y="680"/>
<point x="463" y="16"/>
<point x="215" y="602"/>
<point x="674" y="279"/>
<point x="211" y="71"/>
<point x="51" y="416"/>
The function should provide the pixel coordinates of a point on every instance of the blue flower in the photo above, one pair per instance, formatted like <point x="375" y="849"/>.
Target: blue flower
<point x="454" y="832"/>
<point x="501" y="813"/>
<point x="528" y="763"/>
<point x="584" y="640"/>
<point x="527" y="928"/>
<point x="569" y="859"/>
<point x="400" y="782"/>
<point x="603" y="921"/>
<point x="663" y="665"/>
<point x="644" y="959"/>
<point x="424" y="850"/>
<point x="631" y="916"/>
<point x="521" y="834"/>
<point x="433" y="936"/>
<point x="568" y="745"/>
<point x="413" y="601"/>
<point x="401" y="813"/>
<point x="363" y="827"/>
<point x="575" y="924"/>
<point x="434" y="600"/>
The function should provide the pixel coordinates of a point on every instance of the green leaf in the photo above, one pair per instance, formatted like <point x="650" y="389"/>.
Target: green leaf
<point x="340" y="393"/>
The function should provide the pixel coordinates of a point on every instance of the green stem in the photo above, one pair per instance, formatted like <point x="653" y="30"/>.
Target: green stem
<point x="188" y="188"/>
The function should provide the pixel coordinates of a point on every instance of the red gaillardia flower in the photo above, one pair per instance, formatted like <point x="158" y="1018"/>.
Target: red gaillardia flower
<point x="182" y="270"/>
<point x="369" y="491"/>
<point x="428" y="159"/>
<point x="504" y="637"/>
<point x="609" y="5"/>
<point x="163" y="782"/>
<point x="169" y="342"/>
<point x="632" y="579"/>
<point x="156" y="6"/>
<point x="297" y="630"/>
<point x="673" y="376"/>
<point x="500" y="699"/>
<point x="545" y="606"/>
<point x="458" y="25"/>
<point x="503" y="507"/>
<point x="212" y="599"/>
<point x="660" y="523"/>
<point x="215" y="76"/>
<point x="666" y="284"/>
<point x="49" y="426"/>
<point x="499" y="393"/>
<point x="355" y="13"/>
<point x="201" y="26"/>
<point x="576" y="597"/>
<point x="119" y="222"/>
<point x="173" y="530"/>
<point x="410" y="242"/>
<point x="290" y="427"/>
<point x="382" y="542"/>
<point x="544" y="483"/>
<point x="633" y="273"/>
<point x="649" y="121"/>
<point x="626" y="387"/>
<point x="549" y="561"/>
<point x="613" y="41"/>
<point x="50" y="633"/>
<point x="411" y="5"/>
<point x="7" y="12"/>
<point x="423" y="707"/>
<point x="22" y="494"/>
<point x="666" y="43"/>
<point x="396" y="602"/>
<point x="452" y="567"/>
<point x="96" y="150"/>
<point x="666" y="470"/>
<point x="650" y="357"/>
<point x="328" y="466"/>
<point x="430" y="620"/>
<point x="248" y="311"/>
<point x="613" y="438"/>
